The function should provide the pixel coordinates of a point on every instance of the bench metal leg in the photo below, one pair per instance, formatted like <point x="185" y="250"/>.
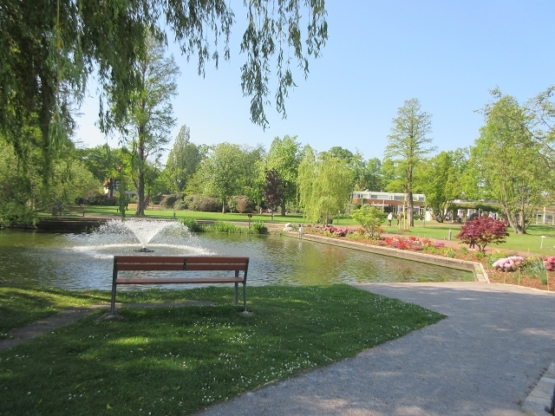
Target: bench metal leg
<point x="244" y="297"/>
<point x="113" y="306"/>
<point x="236" y="293"/>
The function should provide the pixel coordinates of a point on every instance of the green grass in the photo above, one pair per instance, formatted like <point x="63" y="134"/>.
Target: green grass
<point x="179" y="360"/>
<point x="21" y="305"/>
<point x="211" y="216"/>
<point x="531" y="242"/>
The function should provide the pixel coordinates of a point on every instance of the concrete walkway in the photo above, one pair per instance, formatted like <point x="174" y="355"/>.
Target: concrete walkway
<point x="485" y="358"/>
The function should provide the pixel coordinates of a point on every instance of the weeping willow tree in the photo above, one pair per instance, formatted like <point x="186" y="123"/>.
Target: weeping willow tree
<point x="49" y="48"/>
<point x="324" y="185"/>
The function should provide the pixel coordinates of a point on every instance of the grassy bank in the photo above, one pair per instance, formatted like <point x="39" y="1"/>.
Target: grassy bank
<point x="180" y="360"/>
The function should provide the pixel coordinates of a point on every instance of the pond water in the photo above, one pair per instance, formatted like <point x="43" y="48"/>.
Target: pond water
<point x="84" y="261"/>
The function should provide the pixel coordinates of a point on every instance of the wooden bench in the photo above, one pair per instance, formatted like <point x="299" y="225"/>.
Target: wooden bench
<point x="68" y="210"/>
<point x="200" y="265"/>
<point x="75" y="210"/>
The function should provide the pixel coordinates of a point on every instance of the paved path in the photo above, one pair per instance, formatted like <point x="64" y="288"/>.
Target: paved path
<point x="483" y="359"/>
<point x="34" y="329"/>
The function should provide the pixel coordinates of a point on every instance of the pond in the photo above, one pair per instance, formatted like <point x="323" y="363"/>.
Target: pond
<point x="84" y="261"/>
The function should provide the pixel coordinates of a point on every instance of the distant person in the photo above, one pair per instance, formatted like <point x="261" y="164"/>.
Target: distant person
<point x="398" y="218"/>
<point x="390" y="218"/>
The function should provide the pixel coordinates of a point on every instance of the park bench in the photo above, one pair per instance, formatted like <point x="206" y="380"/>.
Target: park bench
<point x="202" y="268"/>
<point x="75" y="210"/>
<point x="57" y="211"/>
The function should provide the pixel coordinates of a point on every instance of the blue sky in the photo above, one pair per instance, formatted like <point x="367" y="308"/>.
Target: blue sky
<point x="446" y="53"/>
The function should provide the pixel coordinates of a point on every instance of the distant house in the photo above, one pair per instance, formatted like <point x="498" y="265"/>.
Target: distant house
<point x="388" y="201"/>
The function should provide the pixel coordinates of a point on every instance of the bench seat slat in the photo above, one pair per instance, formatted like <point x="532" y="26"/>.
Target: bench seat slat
<point x="149" y="266"/>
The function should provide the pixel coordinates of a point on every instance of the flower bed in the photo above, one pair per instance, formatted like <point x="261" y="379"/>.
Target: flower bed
<point x="502" y="267"/>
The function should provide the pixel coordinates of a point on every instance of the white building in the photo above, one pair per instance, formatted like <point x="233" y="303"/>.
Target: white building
<point x="389" y="201"/>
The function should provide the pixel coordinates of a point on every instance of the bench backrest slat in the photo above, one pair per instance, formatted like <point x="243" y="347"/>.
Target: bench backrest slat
<point x="149" y="263"/>
<point x="216" y="263"/>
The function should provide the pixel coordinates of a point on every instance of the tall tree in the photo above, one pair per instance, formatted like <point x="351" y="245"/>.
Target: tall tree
<point x="103" y="162"/>
<point x="150" y="119"/>
<point x="221" y="172"/>
<point x="508" y="161"/>
<point x="251" y="180"/>
<point x="283" y="157"/>
<point x="49" y="48"/>
<point x="372" y="177"/>
<point x="407" y="145"/>
<point x="274" y="190"/>
<point x="183" y="160"/>
<point x="324" y="185"/>
<point x="440" y="181"/>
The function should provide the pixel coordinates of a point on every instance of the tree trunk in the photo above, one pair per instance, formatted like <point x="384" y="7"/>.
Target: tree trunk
<point x="141" y="194"/>
<point x="283" y="210"/>
<point x="410" y="212"/>
<point x="511" y="220"/>
<point x="141" y="177"/>
<point x="111" y="187"/>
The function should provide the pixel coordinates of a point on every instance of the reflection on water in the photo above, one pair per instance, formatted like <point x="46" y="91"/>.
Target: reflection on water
<point x="84" y="261"/>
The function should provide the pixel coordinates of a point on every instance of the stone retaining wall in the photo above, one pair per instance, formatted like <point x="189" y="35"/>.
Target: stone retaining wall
<point x="476" y="268"/>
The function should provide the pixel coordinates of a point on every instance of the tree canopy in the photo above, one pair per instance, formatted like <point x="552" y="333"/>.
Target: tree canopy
<point x="407" y="145"/>
<point x="508" y="161"/>
<point x="48" y="49"/>
<point x="324" y="184"/>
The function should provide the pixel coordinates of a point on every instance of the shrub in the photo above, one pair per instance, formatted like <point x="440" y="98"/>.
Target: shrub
<point x="202" y="203"/>
<point x="224" y="227"/>
<point x="480" y="255"/>
<point x="332" y="231"/>
<point x="509" y="264"/>
<point x="493" y="257"/>
<point x="170" y="200"/>
<point x="12" y="213"/>
<point x="210" y="205"/>
<point x="192" y="225"/>
<point x="535" y="267"/>
<point x="370" y="218"/>
<point x="193" y="202"/>
<point x="550" y="263"/>
<point x="102" y="200"/>
<point x="242" y="205"/>
<point x="179" y="205"/>
<point x="483" y="231"/>
<point x="259" y="227"/>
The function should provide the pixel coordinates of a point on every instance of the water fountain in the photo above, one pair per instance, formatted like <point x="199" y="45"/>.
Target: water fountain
<point x="119" y="237"/>
<point x="143" y="230"/>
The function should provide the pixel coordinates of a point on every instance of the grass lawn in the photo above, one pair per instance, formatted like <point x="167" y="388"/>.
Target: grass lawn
<point x="21" y="305"/>
<point x="180" y="360"/>
<point x="530" y="242"/>
<point x="213" y="216"/>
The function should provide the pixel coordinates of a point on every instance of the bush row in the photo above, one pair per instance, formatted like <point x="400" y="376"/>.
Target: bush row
<point x="204" y="203"/>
